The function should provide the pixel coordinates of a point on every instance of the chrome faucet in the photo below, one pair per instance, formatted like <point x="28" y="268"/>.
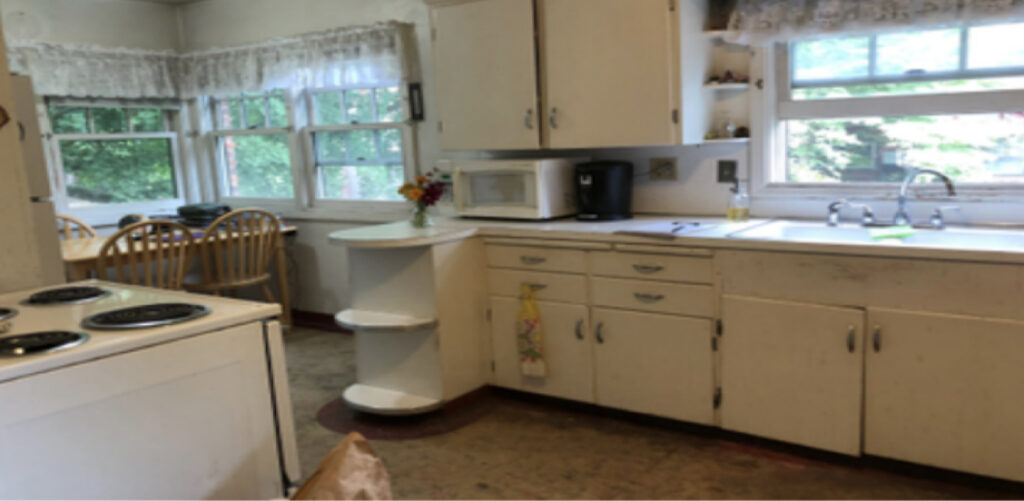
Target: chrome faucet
<point x="902" y="217"/>
<point x="867" y="215"/>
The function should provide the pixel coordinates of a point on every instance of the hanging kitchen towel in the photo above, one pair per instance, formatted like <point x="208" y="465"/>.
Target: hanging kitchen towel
<point x="528" y="335"/>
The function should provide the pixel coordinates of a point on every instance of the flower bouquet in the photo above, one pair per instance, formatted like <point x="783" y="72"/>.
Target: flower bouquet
<point x="424" y="192"/>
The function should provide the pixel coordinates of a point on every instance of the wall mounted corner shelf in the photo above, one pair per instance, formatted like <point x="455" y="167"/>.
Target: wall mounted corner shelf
<point x="730" y="140"/>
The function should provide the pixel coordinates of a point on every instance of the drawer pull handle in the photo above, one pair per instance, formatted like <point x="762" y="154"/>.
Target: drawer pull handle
<point x="579" y="330"/>
<point x="851" y="339"/>
<point x="877" y="339"/>
<point x="648" y="298"/>
<point x="532" y="260"/>
<point x="599" y="333"/>
<point x="537" y="287"/>
<point x="647" y="269"/>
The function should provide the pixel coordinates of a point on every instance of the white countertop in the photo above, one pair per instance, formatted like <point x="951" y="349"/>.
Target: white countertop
<point x="716" y="235"/>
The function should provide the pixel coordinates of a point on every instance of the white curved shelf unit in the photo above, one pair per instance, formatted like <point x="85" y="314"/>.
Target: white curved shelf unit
<point x="387" y="402"/>
<point x="377" y="321"/>
<point x="398" y="235"/>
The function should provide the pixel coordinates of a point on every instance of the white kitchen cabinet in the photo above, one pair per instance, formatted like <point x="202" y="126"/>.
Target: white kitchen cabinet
<point x="567" y="353"/>
<point x="945" y="391"/>
<point x="654" y="364"/>
<point x="793" y="372"/>
<point x="609" y="71"/>
<point x="486" y="73"/>
<point x="606" y="71"/>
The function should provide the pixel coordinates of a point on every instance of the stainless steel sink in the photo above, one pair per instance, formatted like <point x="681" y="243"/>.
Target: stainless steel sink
<point x="950" y="238"/>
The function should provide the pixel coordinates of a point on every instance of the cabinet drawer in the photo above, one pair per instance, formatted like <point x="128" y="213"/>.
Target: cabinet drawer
<point x="676" y="299"/>
<point x="651" y="266"/>
<point x="546" y="286"/>
<point x="536" y="258"/>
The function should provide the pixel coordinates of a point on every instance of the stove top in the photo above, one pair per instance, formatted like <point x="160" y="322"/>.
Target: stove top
<point x="39" y="342"/>
<point x="7" y="313"/>
<point x="145" y="316"/>
<point x="66" y="295"/>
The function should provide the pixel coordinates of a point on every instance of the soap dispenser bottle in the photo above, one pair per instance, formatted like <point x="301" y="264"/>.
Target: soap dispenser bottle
<point x="739" y="204"/>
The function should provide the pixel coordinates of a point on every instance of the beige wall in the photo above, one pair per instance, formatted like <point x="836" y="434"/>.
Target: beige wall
<point x="109" y="23"/>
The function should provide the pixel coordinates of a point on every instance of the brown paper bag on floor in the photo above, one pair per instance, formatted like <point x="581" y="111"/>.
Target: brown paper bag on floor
<point x="350" y="471"/>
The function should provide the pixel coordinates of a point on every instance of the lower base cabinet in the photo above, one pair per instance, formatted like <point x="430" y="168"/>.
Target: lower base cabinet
<point x="793" y="372"/>
<point x="946" y="391"/>
<point x="654" y="364"/>
<point x="566" y="332"/>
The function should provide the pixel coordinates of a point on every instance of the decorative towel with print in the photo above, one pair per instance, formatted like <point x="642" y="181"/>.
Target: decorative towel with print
<point x="528" y="335"/>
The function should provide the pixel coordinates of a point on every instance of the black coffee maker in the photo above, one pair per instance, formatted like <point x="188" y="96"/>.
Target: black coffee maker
<point x="604" y="191"/>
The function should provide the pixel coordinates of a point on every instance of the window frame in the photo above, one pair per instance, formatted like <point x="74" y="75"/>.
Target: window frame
<point x="110" y="213"/>
<point x="777" y="105"/>
<point x="313" y="167"/>
<point x="312" y="175"/>
<point x="221" y="186"/>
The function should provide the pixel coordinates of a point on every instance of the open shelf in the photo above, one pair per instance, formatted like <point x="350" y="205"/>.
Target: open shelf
<point x="728" y="86"/>
<point x="378" y="321"/>
<point x="729" y="140"/>
<point x="376" y="400"/>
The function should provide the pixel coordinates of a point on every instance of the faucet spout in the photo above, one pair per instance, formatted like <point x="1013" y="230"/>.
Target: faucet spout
<point x="902" y="217"/>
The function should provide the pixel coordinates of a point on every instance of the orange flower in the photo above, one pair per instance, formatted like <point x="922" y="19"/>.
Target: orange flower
<point x="414" y="194"/>
<point x="406" y="188"/>
<point x="421" y="179"/>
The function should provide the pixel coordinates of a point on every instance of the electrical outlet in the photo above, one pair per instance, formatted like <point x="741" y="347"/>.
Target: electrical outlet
<point x="664" y="169"/>
<point x="727" y="171"/>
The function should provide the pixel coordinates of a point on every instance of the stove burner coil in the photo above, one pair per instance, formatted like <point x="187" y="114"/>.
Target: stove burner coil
<point x="39" y="342"/>
<point x="66" y="295"/>
<point x="146" y="316"/>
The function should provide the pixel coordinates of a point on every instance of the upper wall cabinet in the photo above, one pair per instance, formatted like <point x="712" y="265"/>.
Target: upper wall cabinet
<point x="609" y="76"/>
<point x="486" y="74"/>
<point x="529" y="74"/>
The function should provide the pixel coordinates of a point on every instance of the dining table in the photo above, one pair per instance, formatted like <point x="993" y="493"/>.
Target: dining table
<point x="81" y="256"/>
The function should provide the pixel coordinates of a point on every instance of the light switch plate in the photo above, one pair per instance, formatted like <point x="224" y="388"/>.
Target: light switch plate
<point x="664" y="169"/>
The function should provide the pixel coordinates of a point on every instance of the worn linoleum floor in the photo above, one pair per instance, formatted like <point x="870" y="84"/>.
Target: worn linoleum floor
<point x="522" y="449"/>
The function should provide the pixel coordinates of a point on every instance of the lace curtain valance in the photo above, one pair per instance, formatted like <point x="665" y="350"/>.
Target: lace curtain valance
<point x="365" y="55"/>
<point x="761" y="22"/>
<point x="65" y="70"/>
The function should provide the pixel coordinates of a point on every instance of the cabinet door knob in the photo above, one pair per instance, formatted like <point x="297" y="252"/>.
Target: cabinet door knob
<point x="876" y="339"/>
<point x="528" y="120"/>
<point x="851" y="339"/>
<point x="553" y="118"/>
<point x="531" y="260"/>
<point x="599" y="333"/>
<point x="579" y="330"/>
<point x="647" y="269"/>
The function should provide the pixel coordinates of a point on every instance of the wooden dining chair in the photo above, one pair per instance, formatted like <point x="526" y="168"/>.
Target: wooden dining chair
<point x="72" y="227"/>
<point x="153" y="253"/>
<point x="236" y="250"/>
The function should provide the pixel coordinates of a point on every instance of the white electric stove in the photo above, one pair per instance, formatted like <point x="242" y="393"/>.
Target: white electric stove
<point x="114" y="391"/>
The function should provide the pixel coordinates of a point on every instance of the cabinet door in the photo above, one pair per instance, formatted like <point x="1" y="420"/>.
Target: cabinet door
<point x="566" y="341"/>
<point x="486" y="72"/>
<point x="654" y="364"/>
<point x="945" y="391"/>
<point x="609" y="72"/>
<point x="789" y="373"/>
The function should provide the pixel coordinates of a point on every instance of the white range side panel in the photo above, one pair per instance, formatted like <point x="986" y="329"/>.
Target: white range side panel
<point x="190" y="419"/>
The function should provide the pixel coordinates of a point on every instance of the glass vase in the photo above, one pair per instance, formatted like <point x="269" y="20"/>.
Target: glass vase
<point x="420" y="217"/>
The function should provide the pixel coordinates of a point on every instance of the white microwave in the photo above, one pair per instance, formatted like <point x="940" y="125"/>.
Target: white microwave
<point x="515" y="189"/>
